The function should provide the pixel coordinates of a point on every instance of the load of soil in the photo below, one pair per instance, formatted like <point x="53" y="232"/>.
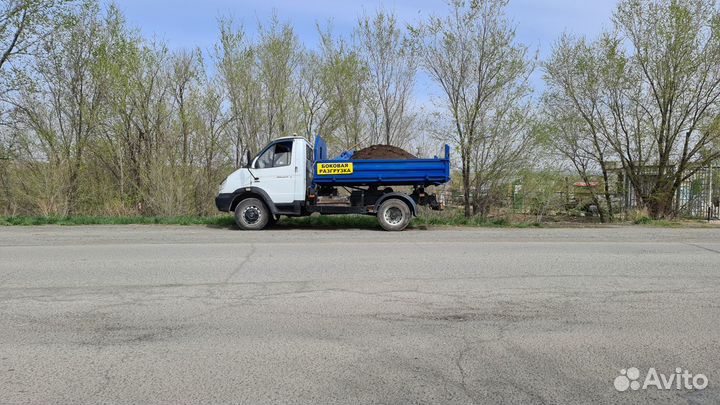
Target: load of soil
<point x="382" y="152"/>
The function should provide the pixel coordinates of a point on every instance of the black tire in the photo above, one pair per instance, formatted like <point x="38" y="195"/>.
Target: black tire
<point x="394" y="215"/>
<point x="251" y="214"/>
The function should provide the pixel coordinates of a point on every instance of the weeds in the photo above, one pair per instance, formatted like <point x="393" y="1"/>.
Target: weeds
<point x="425" y="219"/>
<point x="102" y="220"/>
<point x="324" y="221"/>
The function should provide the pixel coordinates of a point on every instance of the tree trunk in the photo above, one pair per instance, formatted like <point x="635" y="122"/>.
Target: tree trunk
<point x="466" y="183"/>
<point x="660" y="201"/>
<point x="656" y="197"/>
<point x="601" y="212"/>
<point x="655" y="210"/>
<point x="660" y="206"/>
<point x="608" y="198"/>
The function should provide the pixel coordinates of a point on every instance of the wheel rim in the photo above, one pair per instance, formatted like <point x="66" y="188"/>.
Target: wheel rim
<point x="251" y="214"/>
<point x="393" y="215"/>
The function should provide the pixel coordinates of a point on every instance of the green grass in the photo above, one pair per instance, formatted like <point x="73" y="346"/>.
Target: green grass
<point x="107" y="220"/>
<point x="325" y="221"/>
<point x="642" y="221"/>
<point x="425" y="220"/>
<point x="460" y="220"/>
<point x="664" y="223"/>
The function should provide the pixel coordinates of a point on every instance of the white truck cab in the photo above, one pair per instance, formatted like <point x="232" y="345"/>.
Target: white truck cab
<point x="280" y="175"/>
<point x="279" y="169"/>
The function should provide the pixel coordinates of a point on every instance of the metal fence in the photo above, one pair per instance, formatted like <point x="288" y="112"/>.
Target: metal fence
<point x="698" y="196"/>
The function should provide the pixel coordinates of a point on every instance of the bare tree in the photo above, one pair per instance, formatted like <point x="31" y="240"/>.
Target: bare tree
<point x="657" y="101"/>
<point x="211" y="121"/>
<point x="310" y="94"/>
<point x="344" y="78"/>
<point x="392" y="65"/>
<point x="239" y="75"/>
<point x="278" y="57"/>
<point x="59" y="114"/>
<point x="24" y="22"/>
<point x="184" y="77"/>
<point x="483" y="74"/>
<point x="572" y="102"/>
<point x="566" y="136"/>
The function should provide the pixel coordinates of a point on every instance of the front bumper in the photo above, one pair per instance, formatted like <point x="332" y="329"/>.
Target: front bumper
<point x="223" y="201"/>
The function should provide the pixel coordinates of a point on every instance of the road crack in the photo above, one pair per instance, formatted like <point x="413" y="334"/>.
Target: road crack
<point x="242" y="264"/>
<point x="463" y="374"/>
<point x="703" y="248"/>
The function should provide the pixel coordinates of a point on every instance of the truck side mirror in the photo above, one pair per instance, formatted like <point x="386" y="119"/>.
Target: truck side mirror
<point x="248" y="158"/>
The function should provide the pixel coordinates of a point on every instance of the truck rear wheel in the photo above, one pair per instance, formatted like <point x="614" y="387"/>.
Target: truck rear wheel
<point x="251" y="214"/>
<point x="394" y="215"/>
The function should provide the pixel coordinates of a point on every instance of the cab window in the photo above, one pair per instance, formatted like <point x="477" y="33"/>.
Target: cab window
<point x="277" y="155"/>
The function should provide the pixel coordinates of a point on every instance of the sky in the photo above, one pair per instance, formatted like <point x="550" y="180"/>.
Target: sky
<point x="193" y="23"/>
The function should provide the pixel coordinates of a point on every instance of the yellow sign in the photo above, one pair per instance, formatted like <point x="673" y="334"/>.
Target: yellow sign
<point x="325" y="169"/>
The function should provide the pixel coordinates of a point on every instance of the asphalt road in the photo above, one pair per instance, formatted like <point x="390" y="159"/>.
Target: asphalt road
<point x="195" y="315"/>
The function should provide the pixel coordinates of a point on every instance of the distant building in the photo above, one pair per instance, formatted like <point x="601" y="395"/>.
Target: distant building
<point x="697" y="196"/>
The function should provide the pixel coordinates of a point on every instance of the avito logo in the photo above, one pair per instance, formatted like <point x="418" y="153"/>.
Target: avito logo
<point x="679" y="380"/>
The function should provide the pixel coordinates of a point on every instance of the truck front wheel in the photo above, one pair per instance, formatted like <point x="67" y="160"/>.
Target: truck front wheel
<point x="394" y="215"/>
<point x="251" y="214"/>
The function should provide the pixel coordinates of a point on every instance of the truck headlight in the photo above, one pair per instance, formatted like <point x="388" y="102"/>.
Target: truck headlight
<point x="222" y="186"/>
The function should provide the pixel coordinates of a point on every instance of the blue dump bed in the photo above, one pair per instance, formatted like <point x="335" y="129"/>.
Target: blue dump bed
<point x="342" y="171"/>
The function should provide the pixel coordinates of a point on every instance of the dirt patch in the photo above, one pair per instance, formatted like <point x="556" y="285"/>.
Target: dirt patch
<point x="382" y="152"/>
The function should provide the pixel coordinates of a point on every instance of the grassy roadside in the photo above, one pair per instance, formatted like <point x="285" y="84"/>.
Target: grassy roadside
<point x="685" y="223"/>
<point x="331" y="221"/>
<point x="328" y="221"/>
<point x="106" y="220"/>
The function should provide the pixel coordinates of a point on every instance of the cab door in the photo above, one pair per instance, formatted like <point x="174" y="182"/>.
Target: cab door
<point x="275" y="172"/>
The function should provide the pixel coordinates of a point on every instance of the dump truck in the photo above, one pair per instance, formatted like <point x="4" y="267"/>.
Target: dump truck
<point x="292" y="178"/>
